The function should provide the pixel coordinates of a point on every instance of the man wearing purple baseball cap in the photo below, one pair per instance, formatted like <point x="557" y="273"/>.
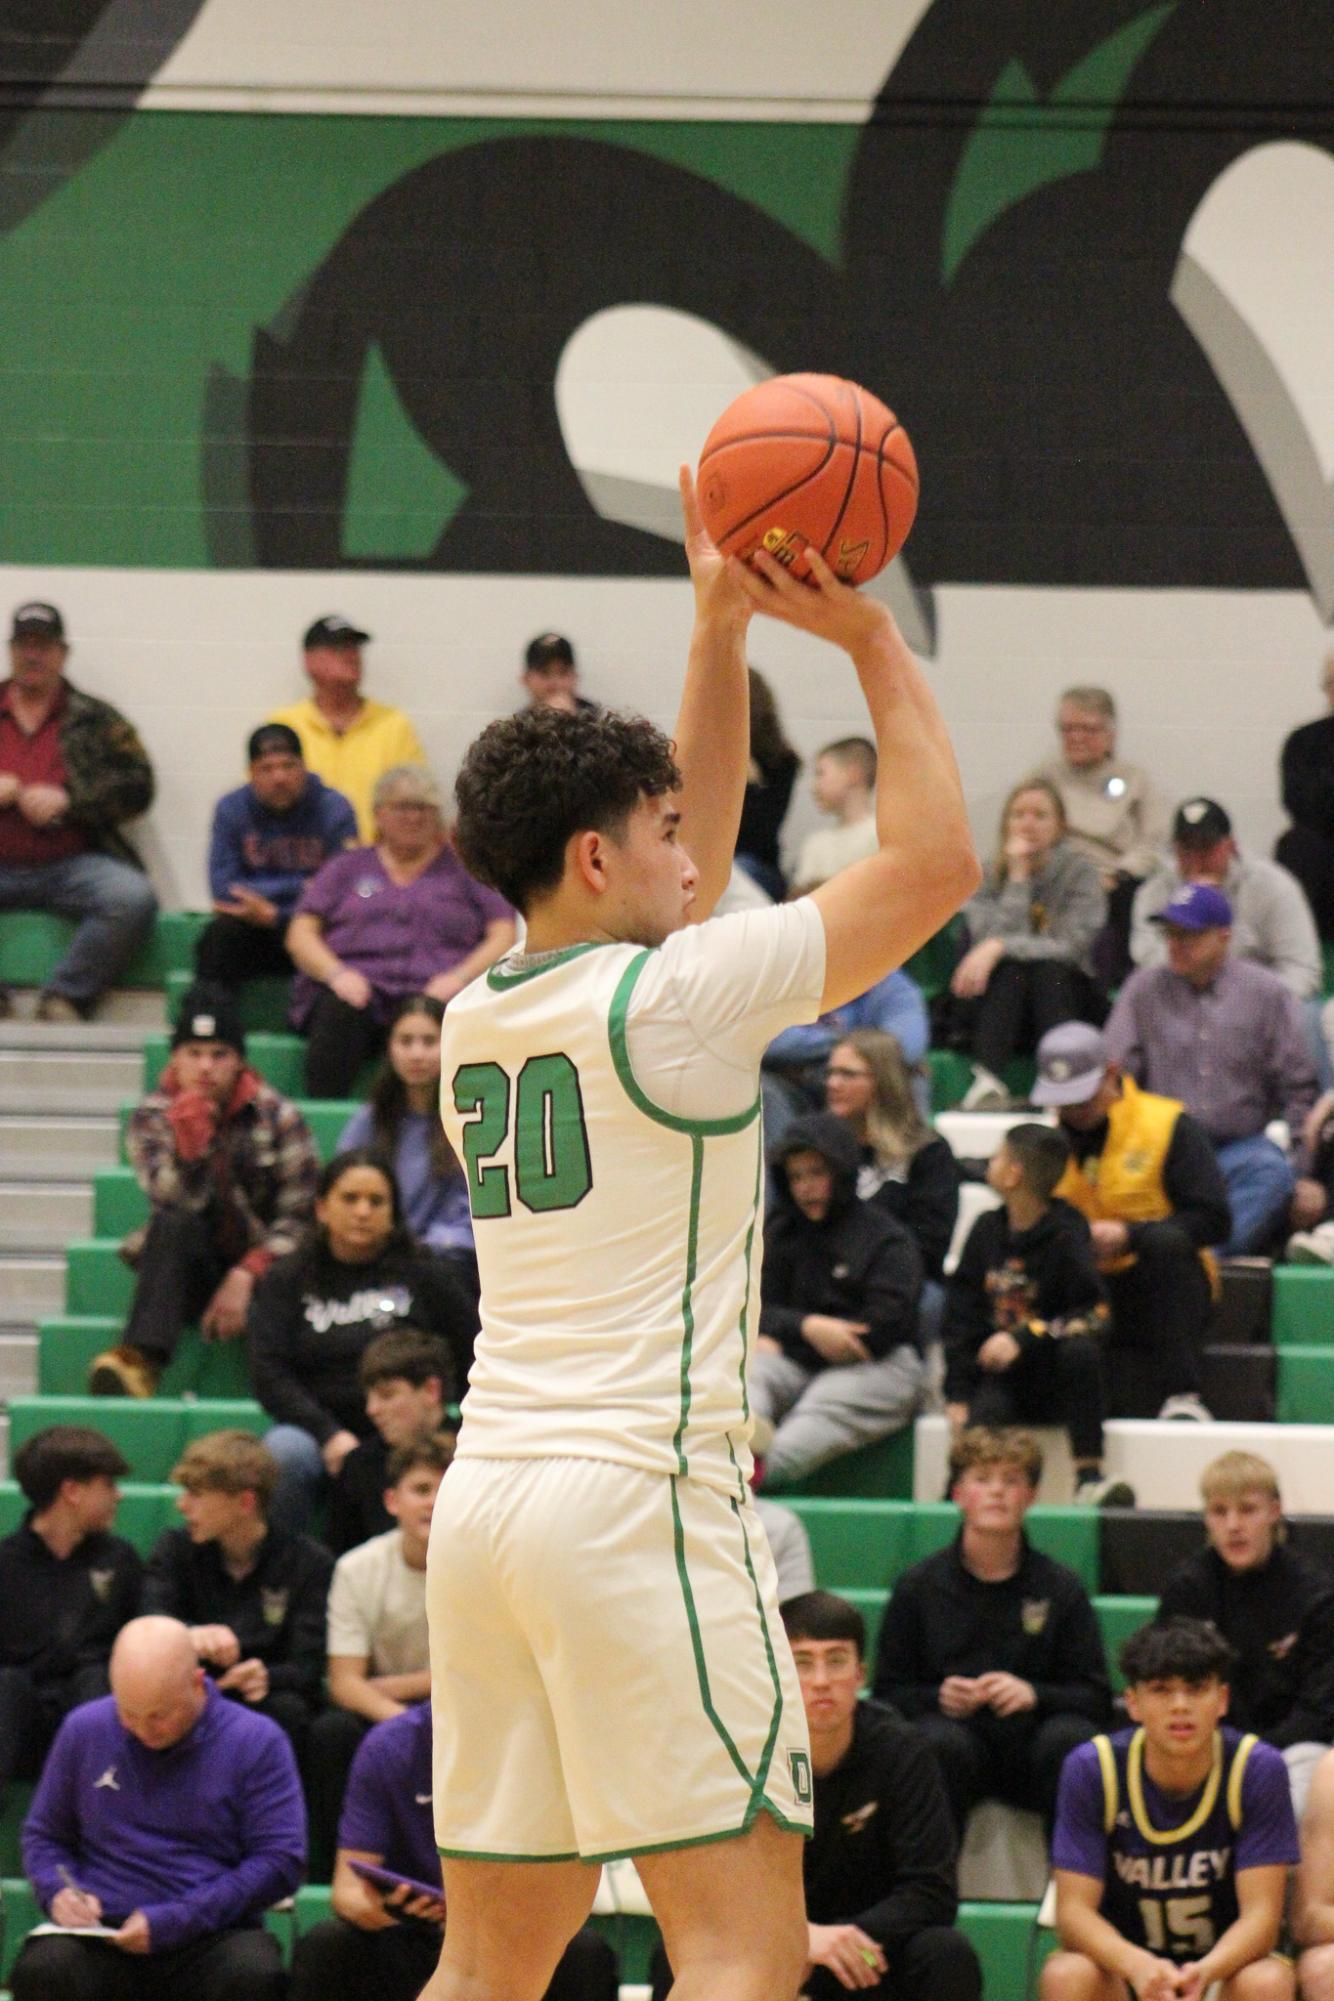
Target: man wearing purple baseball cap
<point x="1225" y="1037"/>
<point x="1143" y="1172"/>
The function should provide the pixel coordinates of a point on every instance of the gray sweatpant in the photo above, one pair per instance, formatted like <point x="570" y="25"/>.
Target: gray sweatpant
<point x="821" y="1413"/>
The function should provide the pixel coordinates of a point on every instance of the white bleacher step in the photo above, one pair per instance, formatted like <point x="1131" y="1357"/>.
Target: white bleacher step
<point x="32" y="1288"/>
<point x="141" y="1008"/>
<point x="976" y="1135"/>
<point x="44" y="1215"/>
<point x="1162" y="1462"/>
<point x="44" y="1148"/>
<point x="975" y="1198"/>
<point x="18" y="1362"/>
<point x="68" y="1080"/>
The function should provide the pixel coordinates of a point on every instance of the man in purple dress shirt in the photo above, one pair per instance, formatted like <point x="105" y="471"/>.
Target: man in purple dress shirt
<point x="1225" y="1036"/>
<point x="170" y="1819"/>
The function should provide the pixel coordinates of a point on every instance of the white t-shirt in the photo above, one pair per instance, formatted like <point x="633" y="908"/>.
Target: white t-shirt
<point x="377" y="1607"/>
<point x="830" y="849"/>
<point x="605" y="1103"/>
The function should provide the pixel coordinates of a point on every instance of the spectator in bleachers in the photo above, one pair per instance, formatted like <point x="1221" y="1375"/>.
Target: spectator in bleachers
<point x="837" y="1363"/>
<point x="1273" y="1608"/>
<point x="789" y="1546"/>
<point x="1271" y="919"/>
<point x="1311" y="1212"/>
<point x="378" y="923"/>
<point x="1181" y="1802"/>
<point x="366" y="1948"/>
<point x="72" y="772"/>
<point x="1313" y="1907"/>
<point x="253" y="1597"/>
<point x="67" y="1586"/>
<point x="269" y="837"/>
<point x="1306" y="850"/>
<point x="795" y="1063"/>
<point x="1031" y="928"/>
<point x="347" y="739"/>
<point x="1025" y="1312"/>
<point x="378" y="1659"/>
<point x="1115" y="815"/>
<point x="229" y="1167"/>
<point x="550" y="675"/>
<point x="1144" y="1173"/>
<point x="357" y="1274"/>
<point x="992" y="1649"/>
<point x="1225" y="1037"/>
<point x="403" y="1376"/>
<point x="174" y="1818"/>
<point x="843" y="787"/>
<point x="402" y="1119"/>
<point x="879" y="1871"/>
<point x="774" y="765"/>
<point x="906" y="1168"/>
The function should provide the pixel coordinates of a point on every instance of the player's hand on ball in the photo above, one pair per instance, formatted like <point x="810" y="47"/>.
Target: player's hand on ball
<point x="718" y="591"/>
<point x="820" y="604"/>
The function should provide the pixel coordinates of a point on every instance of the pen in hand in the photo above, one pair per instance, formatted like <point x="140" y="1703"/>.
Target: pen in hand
<point x="90" y="1903"/>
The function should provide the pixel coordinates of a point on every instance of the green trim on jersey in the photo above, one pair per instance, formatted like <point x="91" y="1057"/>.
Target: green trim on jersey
<point x="483" y="1855"/>
<point x="498" y="981"/>
<point x="744" y="1322"/>
<point x="805" y="1828"/>
<point x="758" y="1781"/>
<point x="620" y="1056"/>
<point x="688" y="1301"/>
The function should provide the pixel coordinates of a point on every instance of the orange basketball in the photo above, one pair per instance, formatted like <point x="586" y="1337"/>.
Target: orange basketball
<point x="810" y="459"/>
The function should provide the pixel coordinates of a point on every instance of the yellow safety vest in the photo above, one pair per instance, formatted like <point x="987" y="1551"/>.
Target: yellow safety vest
<point x="1124" y="1183"/>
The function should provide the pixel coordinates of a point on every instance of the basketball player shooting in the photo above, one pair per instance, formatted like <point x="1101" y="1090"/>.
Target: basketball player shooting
<point x="609" y="1672"/>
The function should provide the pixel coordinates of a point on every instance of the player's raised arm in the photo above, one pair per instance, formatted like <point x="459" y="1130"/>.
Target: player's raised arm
<point x="713" y="726"/>
<point x="877" y="912"/>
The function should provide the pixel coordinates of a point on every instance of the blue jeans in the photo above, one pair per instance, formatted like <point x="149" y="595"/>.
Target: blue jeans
<point x="112" y="903"/>
<point x="1259" y="1188"/>
<point x="300" y="1477"/>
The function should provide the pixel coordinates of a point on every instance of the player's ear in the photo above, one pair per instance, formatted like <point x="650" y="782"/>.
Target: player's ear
<point x="586" y="859"/>
<point x="1131" y="1701"/>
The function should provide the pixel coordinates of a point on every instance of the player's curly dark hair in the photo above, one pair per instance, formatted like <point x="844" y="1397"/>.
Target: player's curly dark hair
<point x="1191" y="1650"/>
<point x="531" y="780"/>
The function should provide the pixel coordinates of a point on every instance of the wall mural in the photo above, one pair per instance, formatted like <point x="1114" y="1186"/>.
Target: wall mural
<point x="1041" y="249"/>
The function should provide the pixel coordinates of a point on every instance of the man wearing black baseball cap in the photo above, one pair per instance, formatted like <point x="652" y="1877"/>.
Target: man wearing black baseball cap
<point x="72" y="771"/>
<point x="1271" y="919"/>
<point x="1227" y="1039"/>
<point x="1142" y="1171"/>
<point x="550" y="674"/>
<point x="229" y="1168"/>
<point x="347" y="739"/>
<point x="269" y="837"/>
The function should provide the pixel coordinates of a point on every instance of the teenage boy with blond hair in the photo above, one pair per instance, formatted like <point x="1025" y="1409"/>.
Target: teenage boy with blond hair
<point x="1273" y="1608"/>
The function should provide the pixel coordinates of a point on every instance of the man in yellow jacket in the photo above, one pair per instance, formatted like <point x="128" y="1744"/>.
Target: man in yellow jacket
<point x="346" y="739"/>
<point x="1143" y="1172"/>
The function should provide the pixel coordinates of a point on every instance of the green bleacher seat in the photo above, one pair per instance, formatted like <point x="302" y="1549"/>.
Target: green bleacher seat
<point x="21" y="1909"/>
<point x="1305" y="1385"/>
<point x="932" y="964"/>
<point x="150" y="1431"/>
<point x="199" y="1368"/>
<point x="326" y="1118"/>
<point x="874" y="1472"/>
<point x="119" y="1203"/>
<point x="263" y="1002"/>
<point x="1004" y="1939"/>
<point x="1303" y="1313"/>
<point x="146" y="1508"/>
<point x="950" y="1074"/>
<point x="861" y="1544"/>
<point x="32" y="942"/>
<point x="97" y="1278"/>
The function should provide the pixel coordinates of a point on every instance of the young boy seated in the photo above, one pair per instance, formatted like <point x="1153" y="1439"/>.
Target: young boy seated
<point x="843" y="786"/>
<point x="837" y="1362"/>
<point x="1025" y="1309"/>
<point x="253" y="1596"/>
<point x="378" y="1654"/>
<point x="1173" y="1840"/>
<point x="1273" y="1608"/>
<point x="403" y="1374"/>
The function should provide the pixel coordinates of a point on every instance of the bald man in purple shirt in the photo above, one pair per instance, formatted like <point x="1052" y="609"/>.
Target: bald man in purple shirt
<point x="1225" y="1037"/>
<point x="172" y="1819"/>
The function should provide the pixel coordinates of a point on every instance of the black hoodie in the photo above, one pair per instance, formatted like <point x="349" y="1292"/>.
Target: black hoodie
<point x="857" y="1264"/>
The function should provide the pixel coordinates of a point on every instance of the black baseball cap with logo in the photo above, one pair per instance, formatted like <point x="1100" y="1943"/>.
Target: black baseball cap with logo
<point x="546" y="648"/>
<point x="1199" y="823"/>
<point x="37" y="617"/>
<point x="334" y="630"/>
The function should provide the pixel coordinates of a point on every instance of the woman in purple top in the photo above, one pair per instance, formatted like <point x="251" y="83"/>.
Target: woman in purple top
<point x="378" y="923"/>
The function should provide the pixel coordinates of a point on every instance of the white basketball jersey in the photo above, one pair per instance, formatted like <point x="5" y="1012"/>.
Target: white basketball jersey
<point x="605" y="1103"/>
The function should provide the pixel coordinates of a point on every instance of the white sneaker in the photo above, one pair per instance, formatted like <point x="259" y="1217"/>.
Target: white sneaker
<point x="986" y="1093"/>
<point x="1187" y="1408"/>
<point x="1312" y="1247"/>
<point x="1102" y="1491"/>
